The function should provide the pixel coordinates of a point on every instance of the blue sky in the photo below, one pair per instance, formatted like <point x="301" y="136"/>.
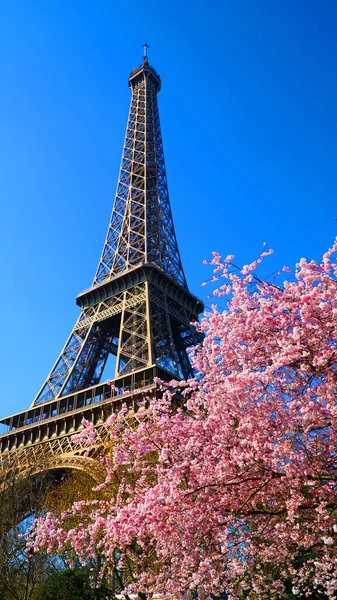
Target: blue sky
<point x="249" y="122"/>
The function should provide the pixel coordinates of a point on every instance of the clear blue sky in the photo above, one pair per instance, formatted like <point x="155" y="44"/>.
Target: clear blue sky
<point x="249" y="121"/>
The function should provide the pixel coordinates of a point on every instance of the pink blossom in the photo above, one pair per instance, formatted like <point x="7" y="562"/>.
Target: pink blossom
<point x="244" y="475"/>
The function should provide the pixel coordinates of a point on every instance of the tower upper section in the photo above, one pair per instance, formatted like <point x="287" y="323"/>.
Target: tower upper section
<point x="145" y="71"/>
<point x="141" y="229"/>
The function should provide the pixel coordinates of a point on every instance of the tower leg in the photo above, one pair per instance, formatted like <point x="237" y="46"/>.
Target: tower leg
<point x="134" y="340"/>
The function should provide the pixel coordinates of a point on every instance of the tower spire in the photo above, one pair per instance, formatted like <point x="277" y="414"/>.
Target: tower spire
<point x="141" y="228"/>
<point x="145" y="47"/>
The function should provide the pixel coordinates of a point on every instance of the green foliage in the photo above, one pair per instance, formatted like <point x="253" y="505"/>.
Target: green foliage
<point x="72" y="584"/>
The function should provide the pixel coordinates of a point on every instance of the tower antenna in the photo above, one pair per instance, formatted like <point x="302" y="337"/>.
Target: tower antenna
<point x="145" y="46"/>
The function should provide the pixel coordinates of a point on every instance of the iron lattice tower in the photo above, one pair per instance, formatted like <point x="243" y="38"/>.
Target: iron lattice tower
<point x="139" y="307"/>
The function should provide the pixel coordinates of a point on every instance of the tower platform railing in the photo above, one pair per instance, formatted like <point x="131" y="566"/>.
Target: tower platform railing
<point x="90" y="402"/>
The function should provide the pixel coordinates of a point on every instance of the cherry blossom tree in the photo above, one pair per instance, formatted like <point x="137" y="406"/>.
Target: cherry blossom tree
<point x="228" y="482"/>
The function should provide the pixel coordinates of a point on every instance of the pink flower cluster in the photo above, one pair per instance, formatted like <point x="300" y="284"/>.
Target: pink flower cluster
<point x="237" y="489"/>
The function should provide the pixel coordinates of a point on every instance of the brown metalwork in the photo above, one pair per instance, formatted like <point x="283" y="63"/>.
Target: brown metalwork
<point x="138" y="308"/>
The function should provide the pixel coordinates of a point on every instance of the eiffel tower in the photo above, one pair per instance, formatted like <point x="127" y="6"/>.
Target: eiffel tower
<point x="138" y="309"/>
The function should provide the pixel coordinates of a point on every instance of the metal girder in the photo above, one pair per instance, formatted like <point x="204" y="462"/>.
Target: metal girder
<point x="141" y="228"/>
<point x="84" y="355"/>
<point x="142" y="326"/>
<point x="54" y="454"/>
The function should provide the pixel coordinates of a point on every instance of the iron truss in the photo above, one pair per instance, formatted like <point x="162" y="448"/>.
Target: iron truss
<point x="139" y="307"/>
<point x="141" y="227"/>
